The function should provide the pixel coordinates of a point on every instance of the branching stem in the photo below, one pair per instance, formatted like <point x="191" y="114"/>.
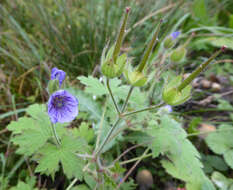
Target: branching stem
<point x="113" y="99"/>
<point x="144" y="109"/>
<point x="127" y="99"/>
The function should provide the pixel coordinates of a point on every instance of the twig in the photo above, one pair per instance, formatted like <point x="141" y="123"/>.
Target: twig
<point x="126" y="151"/>
<point x="132" y="168"/>
<point x="224" y="61"/>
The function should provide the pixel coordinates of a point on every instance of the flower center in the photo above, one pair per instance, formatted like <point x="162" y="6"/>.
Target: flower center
<point x="58" y="101"/>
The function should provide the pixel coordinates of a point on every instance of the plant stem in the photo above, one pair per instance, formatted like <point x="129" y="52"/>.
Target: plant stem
<point x="55" y="135"/>
<point x="144" y="109"/>
<point x="127" y="99"/>
<point x="101" y="126"/>
<point x="107" y="137"/>
<point x="132" y="168"/>
<point x="72" y="184"/>
<point x="110" y="92"/>
<point x="135" y="159"/>
<point x="126" y="151"/>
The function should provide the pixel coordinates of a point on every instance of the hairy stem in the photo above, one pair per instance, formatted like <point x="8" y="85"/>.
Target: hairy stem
<point x="107" y="137"/>
<point x="55" y="135"/>
<point x="135" y="159"/>
<point x="72" y="184"/>
<point x="127" y="99"/>
<point x="132" y="168"/>
<point x="144" y="109"/>
<point x="113" y="99"/>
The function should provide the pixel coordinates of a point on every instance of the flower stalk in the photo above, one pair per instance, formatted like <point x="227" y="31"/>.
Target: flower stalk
<point x="144" y="109"/>
<point x="55" y="135"/>
<point x="127" y="99"/>
<point x="113" y="99"/>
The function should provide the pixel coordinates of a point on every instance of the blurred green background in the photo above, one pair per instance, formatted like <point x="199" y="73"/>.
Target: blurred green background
<point x="38" y="35"/>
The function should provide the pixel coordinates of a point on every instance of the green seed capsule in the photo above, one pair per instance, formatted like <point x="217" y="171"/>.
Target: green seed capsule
<point x="136" y="78"/>
<point x="178" y="54"/>
<point x="172" y="96"/>
<point x="168" y="42"/>
<point x="111" y="69"/>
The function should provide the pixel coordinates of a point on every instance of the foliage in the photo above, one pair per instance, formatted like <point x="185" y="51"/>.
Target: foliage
<point x="221" y="142"/>
<point x="182" y="157"/>
<point x="33" y="135"/>
<point x="36" y="35"/>
<point x="221" y="181"/>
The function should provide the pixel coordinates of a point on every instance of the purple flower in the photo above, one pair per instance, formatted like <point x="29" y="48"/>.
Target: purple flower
<point x="62" y="107"/>
<point x="168" y="108"/>
<point x="58" y="74"/>
<point x="174" y="35"/>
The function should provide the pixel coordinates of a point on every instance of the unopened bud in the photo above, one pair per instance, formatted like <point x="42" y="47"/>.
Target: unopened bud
<point x="170" y="40"/>
<point x="127" y="9"/>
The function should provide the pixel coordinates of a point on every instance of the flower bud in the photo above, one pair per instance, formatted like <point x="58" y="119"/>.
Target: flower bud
<point x="172" y="96"/>
<point x="178" y="54"/>
<point x="53" y="86"/>
<point x="169" y="41"/>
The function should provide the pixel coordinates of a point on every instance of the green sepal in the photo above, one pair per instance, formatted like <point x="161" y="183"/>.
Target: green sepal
<point x="135" y="78"/>
<point x="111" y="69"/>
<point x="172" y="96"/>
<point x="178" y="54"/>
<point x="53" y="86"/>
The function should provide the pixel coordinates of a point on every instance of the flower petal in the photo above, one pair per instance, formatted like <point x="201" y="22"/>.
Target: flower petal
<point x="62" y="107"/>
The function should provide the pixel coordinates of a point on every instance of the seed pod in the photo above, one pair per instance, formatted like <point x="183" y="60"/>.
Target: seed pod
<point x="110" y="68"/>
<point x="172" y="96"/>
<point x="135" y="78"/>
<point x="178" y="54"/>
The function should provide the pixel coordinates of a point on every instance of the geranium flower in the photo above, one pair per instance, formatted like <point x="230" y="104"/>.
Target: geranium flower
<point x="175" y="35"/>
<point x="58" y="74"/>
<point x="62" y="107"/>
